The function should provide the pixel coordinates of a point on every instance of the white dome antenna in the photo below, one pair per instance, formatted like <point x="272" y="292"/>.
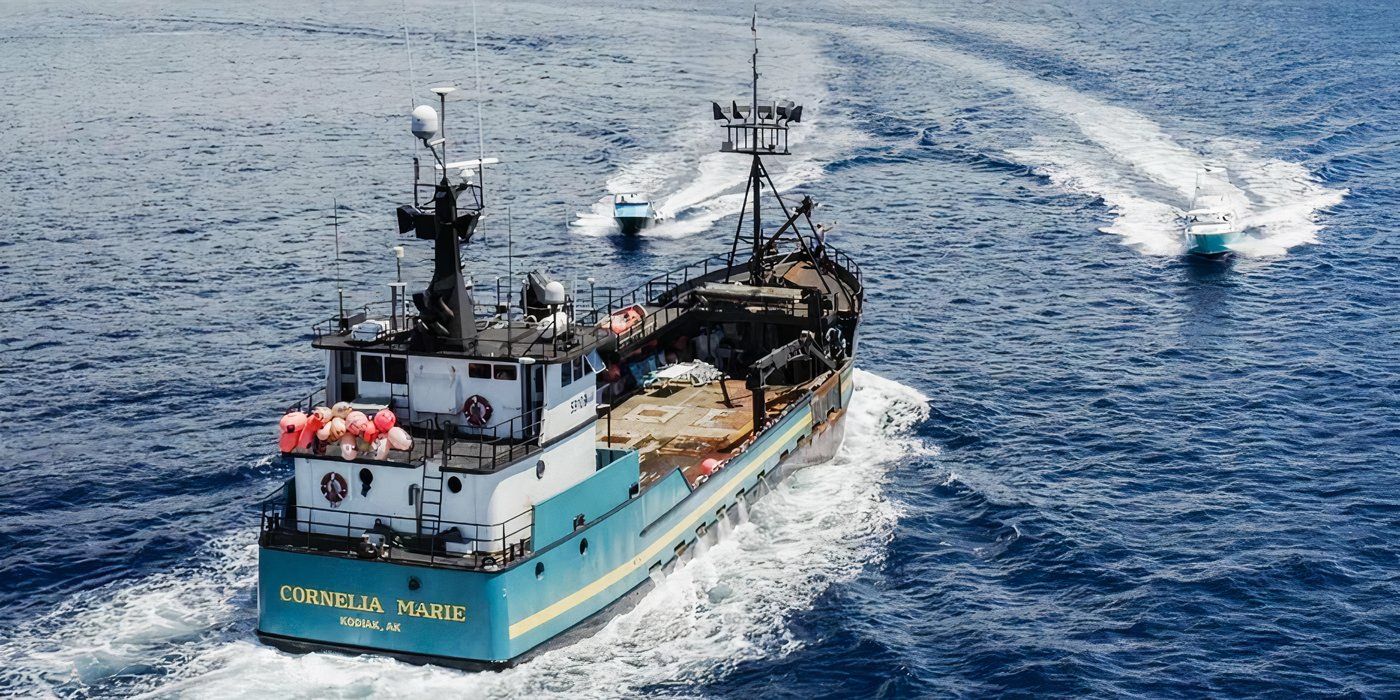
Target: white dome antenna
<point x="424" y="122"/>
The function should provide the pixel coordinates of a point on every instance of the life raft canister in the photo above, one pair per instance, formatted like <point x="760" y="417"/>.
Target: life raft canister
<point x="334" y="488"/>
<point x="477" y="410"/>
<point x="623" y="319"/>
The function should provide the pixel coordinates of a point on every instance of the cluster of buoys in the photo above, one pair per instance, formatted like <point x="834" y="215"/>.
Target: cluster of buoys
<point x="354" y="431"/>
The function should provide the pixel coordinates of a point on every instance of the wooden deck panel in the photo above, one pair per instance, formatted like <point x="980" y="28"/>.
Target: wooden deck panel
<point x="680" y="426"/>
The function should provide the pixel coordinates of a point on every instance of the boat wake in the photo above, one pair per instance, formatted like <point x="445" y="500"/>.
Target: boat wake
<point x="1142" y="174"/>
<point x="189" y="632"/>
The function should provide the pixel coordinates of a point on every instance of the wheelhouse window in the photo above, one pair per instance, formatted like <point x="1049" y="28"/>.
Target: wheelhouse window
<point x="572" y="371"/>
<point x="479" y="370"/>
<point x="505" y="372"/>
<point x="371" y="368"/>
<point x="381" y="368"/>
<point x="396" y="370"/>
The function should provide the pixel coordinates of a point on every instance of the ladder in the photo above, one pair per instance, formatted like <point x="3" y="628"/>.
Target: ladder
<point x="430" y="504"/>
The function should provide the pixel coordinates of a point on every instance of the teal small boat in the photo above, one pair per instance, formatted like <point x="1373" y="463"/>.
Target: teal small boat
<point x="1212" y="224"/>
<point x="632" y="212"/>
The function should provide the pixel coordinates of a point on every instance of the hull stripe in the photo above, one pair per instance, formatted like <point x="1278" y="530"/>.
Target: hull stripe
<point x="612" y="577"/>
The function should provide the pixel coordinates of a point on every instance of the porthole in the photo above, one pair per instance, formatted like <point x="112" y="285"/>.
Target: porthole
<point x="413" y="583"/>
<point x="454" y="485"/>
<point x="539" y="569"/>
<point x="583" y="546"/>
<point x="539" y="469"/>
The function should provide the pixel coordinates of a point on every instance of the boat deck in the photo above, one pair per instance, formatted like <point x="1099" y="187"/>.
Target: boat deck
<point x="682" y="425"/>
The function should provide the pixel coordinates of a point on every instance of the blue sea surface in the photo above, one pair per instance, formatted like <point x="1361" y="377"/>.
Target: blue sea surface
<point x="1079" y="463"/>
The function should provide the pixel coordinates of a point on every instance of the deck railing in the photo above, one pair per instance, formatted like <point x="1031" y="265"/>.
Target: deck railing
<point x="286" y="523"/>
<point x="482" y="449"/>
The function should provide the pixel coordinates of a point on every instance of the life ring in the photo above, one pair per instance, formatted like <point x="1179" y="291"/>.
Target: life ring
<point x="477" y="410"/>
<point x="334" y="488"/>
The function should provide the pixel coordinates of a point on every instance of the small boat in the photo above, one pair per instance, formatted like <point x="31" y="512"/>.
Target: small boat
<point x="633" y="212"/>
<point x="1212" y="224"/>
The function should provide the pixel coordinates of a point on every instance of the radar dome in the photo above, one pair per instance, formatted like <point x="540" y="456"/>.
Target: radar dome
<point x="553" y="293"/>
<point x="425" y="122"/>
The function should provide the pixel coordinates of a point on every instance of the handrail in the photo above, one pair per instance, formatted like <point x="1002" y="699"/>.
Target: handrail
<point x="493" y="544"/>
<point x="493" y="446"/>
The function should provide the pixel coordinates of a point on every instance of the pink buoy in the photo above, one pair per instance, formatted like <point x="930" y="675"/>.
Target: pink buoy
<point x="355" y="423"/>
<point x="290" y="430"/>
<point x="385" y="419"/>
<point x="709" y="466"/>
<point x="347" y="447"/>
<point x="369" y="433"/>
<point x="381" y="448"/>
<point x="399" y="438"/>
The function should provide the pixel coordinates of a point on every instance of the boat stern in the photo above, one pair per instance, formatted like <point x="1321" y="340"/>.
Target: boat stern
<point x="309" y="601"/>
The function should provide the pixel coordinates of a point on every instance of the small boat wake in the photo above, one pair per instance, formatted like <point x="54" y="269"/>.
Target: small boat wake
<point x="692" y="186"/>
<point x="690" y="192"/>
<point x="189" y="632"/>
<point x="1143" y="175"/>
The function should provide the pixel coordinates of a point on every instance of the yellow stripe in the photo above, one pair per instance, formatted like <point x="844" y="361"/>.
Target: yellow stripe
<point x="608" y="579"/>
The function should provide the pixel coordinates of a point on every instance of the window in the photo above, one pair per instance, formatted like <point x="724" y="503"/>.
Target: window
<point x="347" y="362"/>
<point x="505" y="372"/>
<point x="572" y="371"/>
<point x="396" y="370"/>
<point x="371" y="368"/>
<point x="479" y="370"/>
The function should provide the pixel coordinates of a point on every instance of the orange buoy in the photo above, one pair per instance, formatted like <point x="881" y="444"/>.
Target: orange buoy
<point x="385" y="419"/>
<point x="314" y="423"/>
<point x="709" y="466"/>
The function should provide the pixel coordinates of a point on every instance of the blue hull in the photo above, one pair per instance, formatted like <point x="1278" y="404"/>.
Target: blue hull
<point x="632" y="225"/>
<point x="483" y="619"/>
<point x="1212" y="244"/>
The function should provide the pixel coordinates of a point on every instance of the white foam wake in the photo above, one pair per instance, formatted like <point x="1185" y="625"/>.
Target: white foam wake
<point x="1144" y="175"/>
<point x="191" y="630"/>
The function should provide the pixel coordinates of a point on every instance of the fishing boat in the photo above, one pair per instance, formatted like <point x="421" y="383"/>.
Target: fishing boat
<point x="632" y="212"/>
<point x="474" y="484"/>
<point x="1212" y="224"/>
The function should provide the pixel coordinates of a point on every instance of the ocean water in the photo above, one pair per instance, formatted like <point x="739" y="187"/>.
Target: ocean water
<point x="1078" y="464"/>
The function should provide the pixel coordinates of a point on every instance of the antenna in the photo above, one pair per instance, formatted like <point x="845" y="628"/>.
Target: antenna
<point x="408" y="47"/>
<point x="510" y="258"/>
<point x="480" y="139"/>
<point x="339" y="285"/>
<point x="753" y="27"/>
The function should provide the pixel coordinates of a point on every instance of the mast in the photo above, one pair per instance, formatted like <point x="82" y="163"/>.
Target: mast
<point x="756" y="131"/>
<point x="446" y="310"/>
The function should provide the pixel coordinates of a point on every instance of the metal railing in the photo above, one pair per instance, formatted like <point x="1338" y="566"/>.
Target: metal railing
<point x="418" y="540"/>
<point x="481" y="449"/>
